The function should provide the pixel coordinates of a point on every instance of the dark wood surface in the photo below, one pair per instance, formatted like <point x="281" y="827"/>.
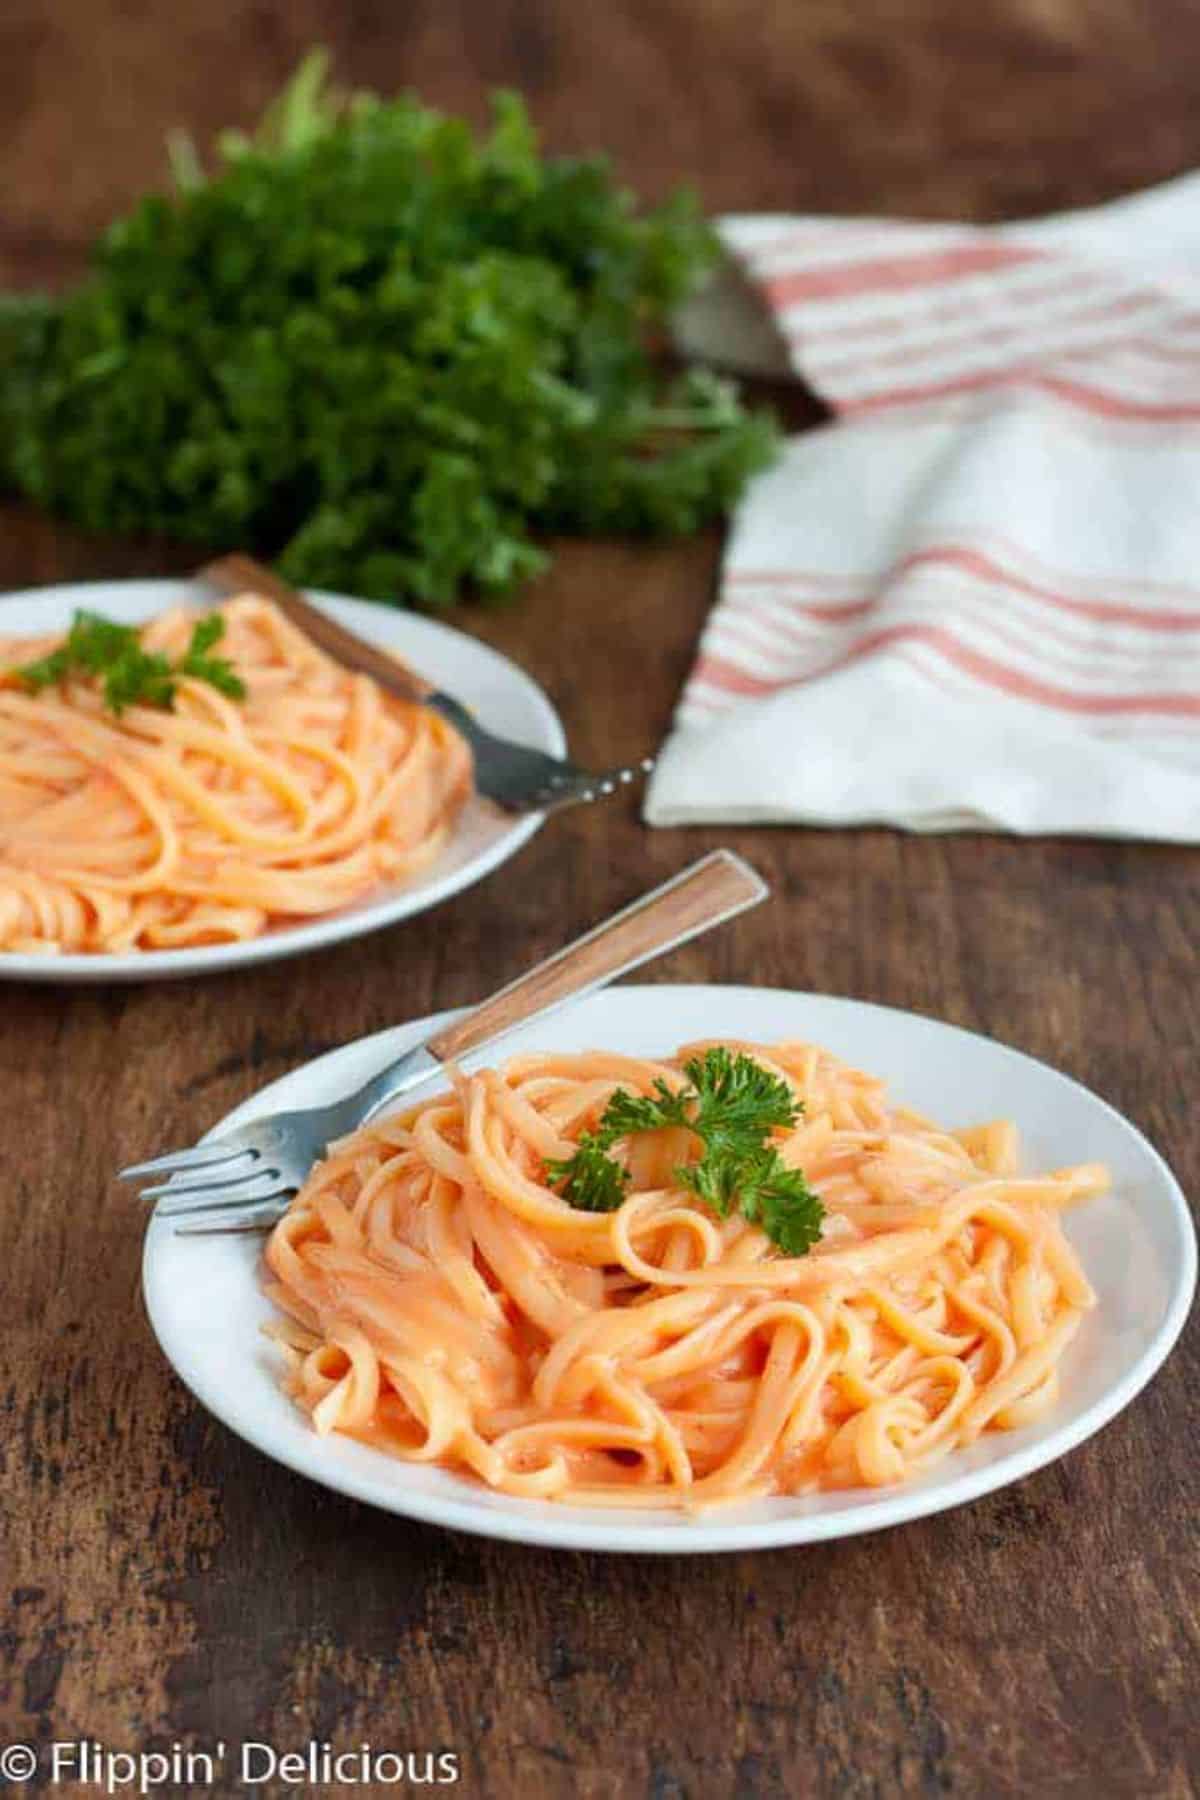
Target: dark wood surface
<point x="163" y="1582"/>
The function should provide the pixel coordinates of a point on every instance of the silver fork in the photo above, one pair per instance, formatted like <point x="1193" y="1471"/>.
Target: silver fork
<point x="515" y="777"/>
<point x="245" y="1179"/>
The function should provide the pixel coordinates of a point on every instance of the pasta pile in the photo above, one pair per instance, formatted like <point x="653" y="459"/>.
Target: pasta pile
<point x="220" y="819"/>
<point x="443" y="1303"/>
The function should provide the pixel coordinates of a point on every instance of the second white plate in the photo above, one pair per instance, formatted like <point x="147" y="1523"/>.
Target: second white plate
<point x="1137" y="1244"/>
<point x="503" y="697"/>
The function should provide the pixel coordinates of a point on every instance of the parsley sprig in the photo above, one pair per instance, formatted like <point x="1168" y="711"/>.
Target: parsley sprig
<point x="592" y="1180"/>
<point x="130" y="675"/>
<point x="732" y="1104"/>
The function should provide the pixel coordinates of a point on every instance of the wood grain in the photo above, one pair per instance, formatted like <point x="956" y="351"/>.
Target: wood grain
<point x="161" y="1581"/>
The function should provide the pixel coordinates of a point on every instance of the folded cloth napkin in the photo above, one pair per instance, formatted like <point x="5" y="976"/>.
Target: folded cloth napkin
<point x="973" y="600"/>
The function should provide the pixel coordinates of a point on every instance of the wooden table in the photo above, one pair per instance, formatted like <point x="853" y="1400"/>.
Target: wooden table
<point x="162" y="1581"/>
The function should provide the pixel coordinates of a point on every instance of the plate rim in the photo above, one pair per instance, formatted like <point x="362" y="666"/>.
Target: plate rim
<point x="79" y="969"/>
<point x="547" y="1526"/>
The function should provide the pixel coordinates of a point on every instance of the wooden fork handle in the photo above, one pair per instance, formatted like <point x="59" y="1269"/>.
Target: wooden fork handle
<point x="712" y="890"/>
<point x="238" y="574"/>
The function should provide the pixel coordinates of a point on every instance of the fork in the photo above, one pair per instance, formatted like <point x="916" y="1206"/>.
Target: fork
<point x="516" y="778"/>
<point x="245" y="1179"/>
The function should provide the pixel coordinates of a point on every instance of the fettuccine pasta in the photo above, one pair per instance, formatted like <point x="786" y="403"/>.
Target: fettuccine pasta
<point x="220" y="819"/>
<point x="446" y="1305"/>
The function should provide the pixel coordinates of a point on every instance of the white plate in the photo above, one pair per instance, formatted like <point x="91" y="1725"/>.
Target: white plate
<point x="1137" y="1245"/>
<point x="505" y="700"/>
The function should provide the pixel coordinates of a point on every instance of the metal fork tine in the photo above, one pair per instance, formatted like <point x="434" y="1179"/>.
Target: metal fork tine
<point x="244" y="1194"/>
<point x="207" y="1182"/>
<point x="208" y="1208"/>
<point x="238" y="1230"/>
<point x="569" y="790"/>
<point x="179" y="1161"/>
<point x="626" y="772"/>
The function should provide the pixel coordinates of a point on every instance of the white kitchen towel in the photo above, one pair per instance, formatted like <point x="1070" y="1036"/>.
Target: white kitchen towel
<point x="973" y="600"/>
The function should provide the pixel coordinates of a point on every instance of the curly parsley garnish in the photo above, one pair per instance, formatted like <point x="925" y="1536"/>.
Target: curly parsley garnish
<point x="130" y="675"/>
<point x="594" y="1180"/>
<point x="732" y="1104"/>
<point x="392" y="355"/>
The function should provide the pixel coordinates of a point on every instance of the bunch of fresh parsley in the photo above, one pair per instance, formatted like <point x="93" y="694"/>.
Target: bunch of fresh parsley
<point x="732" y="1104"/>
<point x="380" y="351"/>
<point x="129" y="674"/>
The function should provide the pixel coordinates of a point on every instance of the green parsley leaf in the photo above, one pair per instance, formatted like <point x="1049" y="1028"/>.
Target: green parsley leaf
<point x="216" y="670"/>
<point x="47" y="671"/>
<point x="130" y="675"/>
<point x="205" y="633"/>
<point x="732" y="1104"/>
<point x="627" y="1113"/>
<point x="738" y="1102"/>
<point x="592" y="1180"/>
<point x="136" y="677"/>
<point x="389" y="354"/>
<point x="780" y="1200"/>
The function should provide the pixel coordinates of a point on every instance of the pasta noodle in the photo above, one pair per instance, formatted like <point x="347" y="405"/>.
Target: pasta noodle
<point x="445" y="1305"/>
<point x="218" y="820"/>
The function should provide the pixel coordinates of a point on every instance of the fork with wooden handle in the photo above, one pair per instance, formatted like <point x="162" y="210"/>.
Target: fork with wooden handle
<point x="244" y="1180"/>
<point x="515" y="777"/>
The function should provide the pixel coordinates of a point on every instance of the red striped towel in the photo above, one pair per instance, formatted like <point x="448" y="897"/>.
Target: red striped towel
<point x="974" y="598"/>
